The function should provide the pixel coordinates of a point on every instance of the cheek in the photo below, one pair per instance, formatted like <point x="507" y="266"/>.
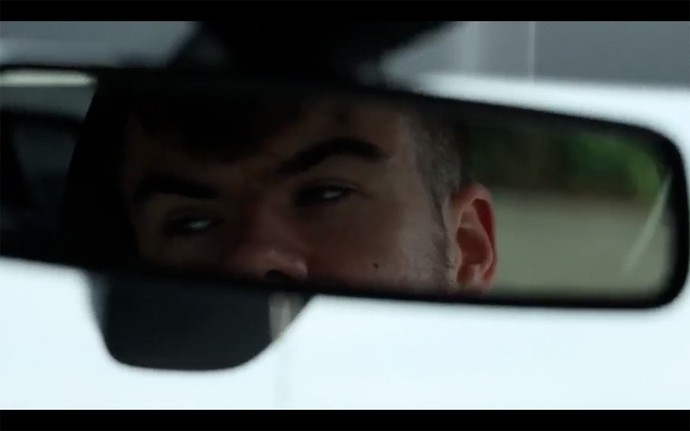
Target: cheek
<point x="375" y="245"/>
<point x="145" y="238"/>
<point x="190" y="255"/>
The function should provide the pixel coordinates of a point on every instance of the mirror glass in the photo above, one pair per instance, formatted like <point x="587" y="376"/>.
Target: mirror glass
<point x="341" y="190"/>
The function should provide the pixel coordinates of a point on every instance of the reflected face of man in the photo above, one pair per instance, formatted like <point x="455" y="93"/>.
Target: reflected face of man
<point x="334" y="196"/>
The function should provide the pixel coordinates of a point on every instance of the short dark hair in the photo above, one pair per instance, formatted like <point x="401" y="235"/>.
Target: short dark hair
<point x="441" y="153"/>
<point x="438" y="151"/>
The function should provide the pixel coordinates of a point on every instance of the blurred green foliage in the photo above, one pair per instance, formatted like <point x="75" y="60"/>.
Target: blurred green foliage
<point x="547" y="157"/>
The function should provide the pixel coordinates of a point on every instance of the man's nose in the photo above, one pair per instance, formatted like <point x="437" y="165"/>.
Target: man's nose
<point x="266" y="250"/>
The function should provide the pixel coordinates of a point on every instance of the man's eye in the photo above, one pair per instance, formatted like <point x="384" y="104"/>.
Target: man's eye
<point x="321" y="194"/>
<point x="188" y="226"/>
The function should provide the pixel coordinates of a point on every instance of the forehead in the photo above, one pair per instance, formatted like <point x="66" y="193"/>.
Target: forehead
<point x="269" y="129"/>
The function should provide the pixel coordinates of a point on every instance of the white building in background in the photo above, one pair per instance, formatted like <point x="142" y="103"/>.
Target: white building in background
<point x="626" y="52"/>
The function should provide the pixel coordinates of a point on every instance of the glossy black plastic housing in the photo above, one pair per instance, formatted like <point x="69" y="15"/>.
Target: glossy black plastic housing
<point x="233" y="83"/>
<point x="187" y="321"/>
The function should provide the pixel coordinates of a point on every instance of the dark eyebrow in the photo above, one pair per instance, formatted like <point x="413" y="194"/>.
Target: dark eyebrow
<point x="317" y="153"/>
<point x="167" y="183"/>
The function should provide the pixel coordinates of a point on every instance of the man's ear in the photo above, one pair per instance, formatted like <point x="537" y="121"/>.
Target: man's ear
<point x="473" y="231"/>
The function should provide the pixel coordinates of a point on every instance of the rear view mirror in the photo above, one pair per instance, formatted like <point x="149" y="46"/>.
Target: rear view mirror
<point x="356" y="192"/>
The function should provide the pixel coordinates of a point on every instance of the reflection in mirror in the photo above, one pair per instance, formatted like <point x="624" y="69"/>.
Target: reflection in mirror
<point x="580" y="213"/>
<point x="365" y="193"/>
